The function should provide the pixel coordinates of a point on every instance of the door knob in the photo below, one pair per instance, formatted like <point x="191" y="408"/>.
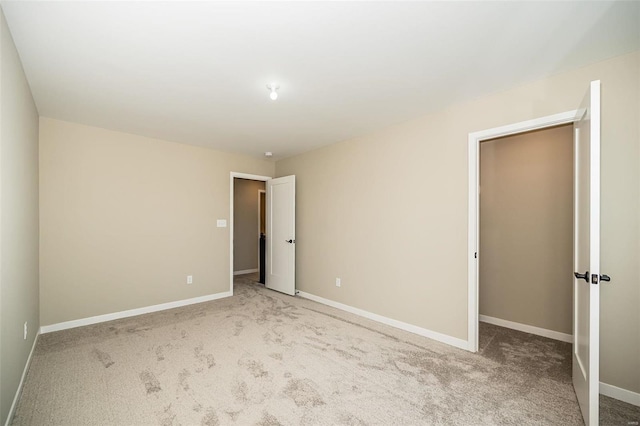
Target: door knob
<point x="584" y="276"/>
<point x="605" y="278"/>
<point x="290" y="241"/>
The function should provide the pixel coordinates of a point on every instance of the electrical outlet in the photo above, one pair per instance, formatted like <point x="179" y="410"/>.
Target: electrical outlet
<point x="25" y="331"/>
<point x="338" y="282"/>
<point x="189" y="279"/>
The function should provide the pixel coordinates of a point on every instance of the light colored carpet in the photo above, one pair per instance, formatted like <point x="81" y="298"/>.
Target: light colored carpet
<point x="528" y="352"/>
<point x="265" y="358"/>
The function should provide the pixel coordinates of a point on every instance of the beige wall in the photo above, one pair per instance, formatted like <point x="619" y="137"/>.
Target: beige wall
<point x="18" y="220"/>
<point x="245" y="224"/>
<point x="387" y="212"/>
<point x="124" y="219"/>
<point x="526" y="228"/>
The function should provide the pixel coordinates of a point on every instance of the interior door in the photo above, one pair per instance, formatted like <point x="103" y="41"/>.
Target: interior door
<point x="281" y="234"/>
<point x="586" y="309"/>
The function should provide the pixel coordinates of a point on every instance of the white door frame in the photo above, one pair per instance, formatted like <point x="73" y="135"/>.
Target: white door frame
<point x="231" y="229"/>
<point x="474" y="211"/>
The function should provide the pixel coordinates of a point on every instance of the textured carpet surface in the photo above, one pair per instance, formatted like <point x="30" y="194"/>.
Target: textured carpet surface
<point x="263" y="358"/>
<point x="528" y="352"/>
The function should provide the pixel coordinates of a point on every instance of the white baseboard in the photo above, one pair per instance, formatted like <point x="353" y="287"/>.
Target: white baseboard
<point x="556" y="335"/>
<point x="624" y="395"/>
<point x="19" y="390"/>
<point x="131" y="312"/>
<point x="449" y="340"/>
<point x="246" y="271"/>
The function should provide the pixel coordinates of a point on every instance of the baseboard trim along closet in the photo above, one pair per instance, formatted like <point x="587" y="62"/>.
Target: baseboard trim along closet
<point x="12" y="410"/>
<point x="443" y="338"/>
<point x="131" y="312"/>
<point x="555" y="335"/>
<point x="624" y="395"/>
<point x="246" y="271"/>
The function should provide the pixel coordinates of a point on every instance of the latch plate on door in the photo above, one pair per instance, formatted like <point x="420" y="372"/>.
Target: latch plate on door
<point x="594" y="278"/>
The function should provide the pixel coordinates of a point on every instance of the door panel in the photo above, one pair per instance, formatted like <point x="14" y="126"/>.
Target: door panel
<point x="586" y="309"/>
<point x="281" y="236"/>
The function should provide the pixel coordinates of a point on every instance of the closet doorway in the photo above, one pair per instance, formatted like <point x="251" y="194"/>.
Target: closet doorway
<point x="526" y="232"/>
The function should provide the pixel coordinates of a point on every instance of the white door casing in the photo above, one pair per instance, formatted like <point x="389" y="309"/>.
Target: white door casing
<point x="474" y="211"/>
<point x="233" y="176"/>
<point x="281" y="234"/>
<point x="586" y="298"/>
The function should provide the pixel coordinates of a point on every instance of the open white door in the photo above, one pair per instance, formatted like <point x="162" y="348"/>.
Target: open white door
<point x="586" y="240"/>
<point x="281" y="235"/>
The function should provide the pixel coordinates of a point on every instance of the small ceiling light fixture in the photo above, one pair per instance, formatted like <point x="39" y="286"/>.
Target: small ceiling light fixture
<point x="268" y="154"/>
<point x="273" y="87"/>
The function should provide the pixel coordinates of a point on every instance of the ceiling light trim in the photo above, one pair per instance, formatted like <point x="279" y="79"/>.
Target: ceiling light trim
<point x="273" y="88"/>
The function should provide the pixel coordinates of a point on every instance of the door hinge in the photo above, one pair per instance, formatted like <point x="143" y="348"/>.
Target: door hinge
<point x="475" y="255"/>
<point x="595" y="278"/>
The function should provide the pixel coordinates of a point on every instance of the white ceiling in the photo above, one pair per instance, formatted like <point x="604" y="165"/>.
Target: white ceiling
<point x="196" y="72"/>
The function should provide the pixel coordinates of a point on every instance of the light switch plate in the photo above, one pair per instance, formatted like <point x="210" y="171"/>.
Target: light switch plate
<point x="222" y="223"/>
